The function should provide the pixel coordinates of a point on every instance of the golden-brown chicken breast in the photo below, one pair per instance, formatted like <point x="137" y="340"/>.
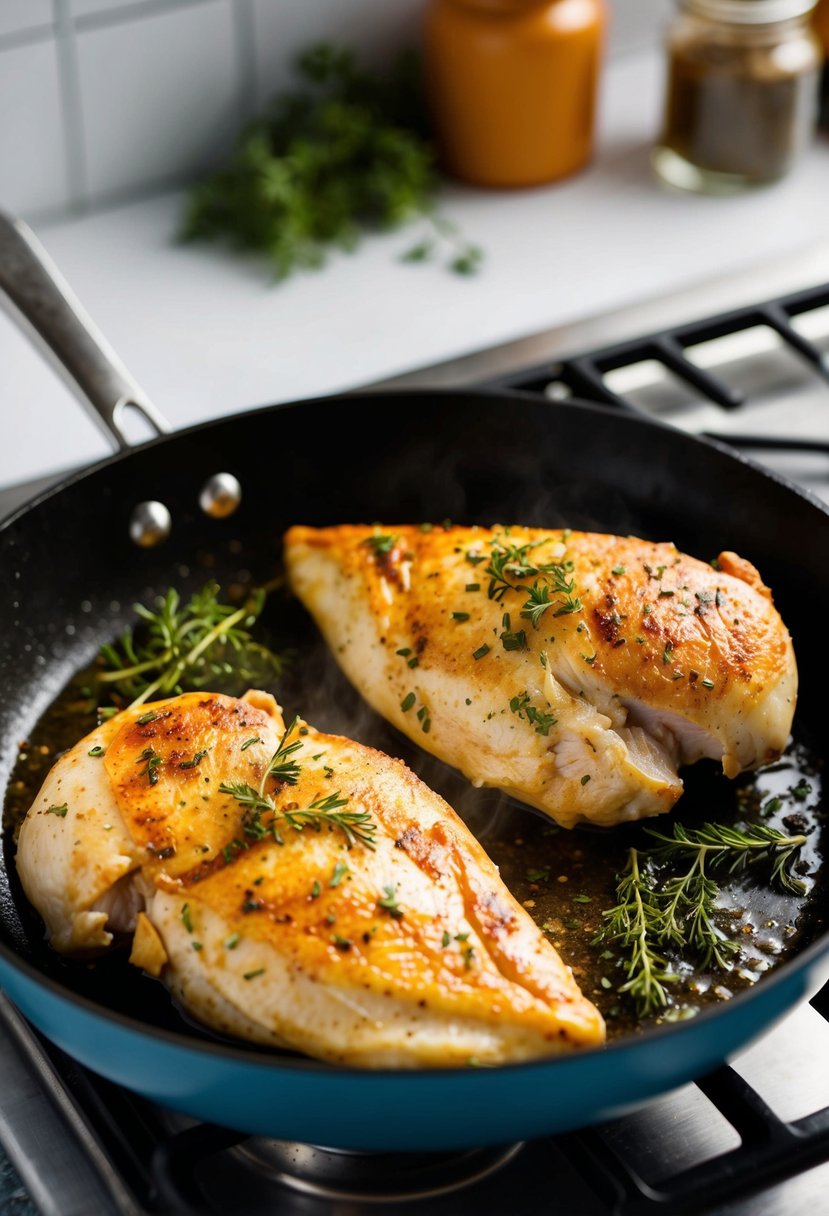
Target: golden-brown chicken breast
<point x="574" y="671"/>
<point x="297" y="889"/>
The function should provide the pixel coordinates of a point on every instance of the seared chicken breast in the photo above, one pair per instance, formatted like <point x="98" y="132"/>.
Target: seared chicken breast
<point x="294" y="888"/>
<point x="575" y="671"/>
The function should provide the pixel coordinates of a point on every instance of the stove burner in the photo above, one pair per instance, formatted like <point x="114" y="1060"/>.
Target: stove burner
<point x="332" y="1173"/>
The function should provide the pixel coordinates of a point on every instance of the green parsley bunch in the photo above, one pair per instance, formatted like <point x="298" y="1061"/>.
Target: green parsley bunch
<point x="346" y="152"/>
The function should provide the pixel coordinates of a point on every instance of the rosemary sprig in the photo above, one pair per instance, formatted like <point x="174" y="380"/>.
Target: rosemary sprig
<point x="738" y="848"/>
<point x="190" y="645"/>
<point x="657" y="909"/>
<point x="355" y="825"/>
<point x="636" y="923"/>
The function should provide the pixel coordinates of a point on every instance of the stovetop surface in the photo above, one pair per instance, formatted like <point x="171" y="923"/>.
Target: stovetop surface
<point x="752" y="1139"/>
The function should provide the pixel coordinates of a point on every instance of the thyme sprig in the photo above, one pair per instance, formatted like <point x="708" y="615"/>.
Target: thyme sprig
<point x="192" y="644"/>
<point x="658" y="910"/>
<point x="356" y="826"/>
<point x="345" y="152"/>
<point x="509" y="562"/>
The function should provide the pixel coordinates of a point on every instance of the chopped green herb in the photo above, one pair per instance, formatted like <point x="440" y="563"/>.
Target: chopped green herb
<point x="538" y="875"/>
<point x="480" y="652"/>
<point x="251" y="975"/>
<point x="249" y="743"/>
<point x="511" y="640"/>
<point x="97" y="750"/>
<point x="541" y="721"/>
<point x="60" y="811"/>
<point x="388" y="901"/>
<point x="460" y="616"/>
<point x="340" y="871"/>
<point x="407" y="702"/>
<point x="152" y="765"/>
<point x="381" y="545"/>
<point x="186" y="919"/>
<point x="197" y="758"/>
<point x="232" y="942"/>
<point x="801" y="791"/>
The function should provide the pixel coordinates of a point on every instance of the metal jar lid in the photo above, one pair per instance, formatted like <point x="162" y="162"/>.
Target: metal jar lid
<point x="749" y="12"/>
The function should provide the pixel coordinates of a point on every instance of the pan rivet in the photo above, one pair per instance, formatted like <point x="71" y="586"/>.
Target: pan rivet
<point x="150" y="524"/>
<point x="220" y="495"/>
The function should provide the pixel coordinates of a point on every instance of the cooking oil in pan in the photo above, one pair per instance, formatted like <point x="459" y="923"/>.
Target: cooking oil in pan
<point x="565" y="879"/>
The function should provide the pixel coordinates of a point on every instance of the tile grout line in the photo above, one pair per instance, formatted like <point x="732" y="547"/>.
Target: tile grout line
<point x="71" y="109"/>
<point x="133" y="12"/>
<point x="244" y="21"/>
<point x="30" y="36"/>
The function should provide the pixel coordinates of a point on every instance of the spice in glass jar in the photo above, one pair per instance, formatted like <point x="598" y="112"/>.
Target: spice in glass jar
<point x="742" y="92"/>
<point x="512" y="86"/>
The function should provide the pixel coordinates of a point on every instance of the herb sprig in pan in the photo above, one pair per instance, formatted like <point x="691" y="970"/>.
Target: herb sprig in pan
<point x="321" y="812"/>
<point x="661" y="911"/>
<point x="192" y="644"/>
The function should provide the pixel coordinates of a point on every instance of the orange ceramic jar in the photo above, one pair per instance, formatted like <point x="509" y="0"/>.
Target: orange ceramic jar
<point x="512" y="86"/>
<point x="820" y="20"/>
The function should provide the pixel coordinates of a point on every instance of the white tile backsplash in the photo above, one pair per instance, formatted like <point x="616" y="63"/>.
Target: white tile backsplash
<point x="87" y="8"/>
<point x="282" y="30"/>
<point x="159" y="97"/>
<point x="33" y="171"/>
<point x="152" y="92"/>
<point x="20" y="16"/>
<point x="636" y="24"/>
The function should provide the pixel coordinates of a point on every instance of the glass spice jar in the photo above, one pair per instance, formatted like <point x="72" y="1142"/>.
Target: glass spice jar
<point x="742" y="93"/>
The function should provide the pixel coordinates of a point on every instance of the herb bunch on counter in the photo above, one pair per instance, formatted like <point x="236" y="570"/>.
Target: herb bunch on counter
<point x="348" y="151"/>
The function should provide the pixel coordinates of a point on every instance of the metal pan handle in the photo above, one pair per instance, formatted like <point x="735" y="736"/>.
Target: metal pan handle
<point x="44" y="305"/>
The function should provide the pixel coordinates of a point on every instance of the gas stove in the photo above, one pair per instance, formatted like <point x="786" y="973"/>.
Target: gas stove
<point x="744" y="360"/>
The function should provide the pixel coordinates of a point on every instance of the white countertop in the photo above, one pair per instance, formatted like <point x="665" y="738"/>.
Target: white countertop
<point x="207" y="333"/>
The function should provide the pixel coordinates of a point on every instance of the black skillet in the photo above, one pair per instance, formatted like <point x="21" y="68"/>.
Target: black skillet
<point x="72" y="573"/>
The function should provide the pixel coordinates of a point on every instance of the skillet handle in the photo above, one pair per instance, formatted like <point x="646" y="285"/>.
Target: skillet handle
<point x="46" y="308"/>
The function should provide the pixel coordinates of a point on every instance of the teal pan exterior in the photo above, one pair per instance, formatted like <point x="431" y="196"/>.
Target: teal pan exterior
<point x="385" y="1111"/>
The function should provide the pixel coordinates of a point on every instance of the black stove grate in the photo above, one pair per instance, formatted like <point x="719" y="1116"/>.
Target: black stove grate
<point x="584" y="376"/>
